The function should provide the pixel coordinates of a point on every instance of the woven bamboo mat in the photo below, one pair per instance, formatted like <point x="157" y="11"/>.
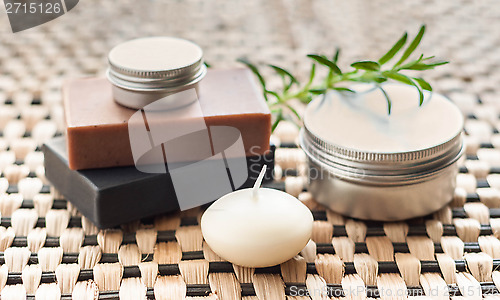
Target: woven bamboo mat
<point x="49" y="250"/>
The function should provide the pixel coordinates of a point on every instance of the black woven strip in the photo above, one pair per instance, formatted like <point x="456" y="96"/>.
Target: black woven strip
<point x="473" y="197"/>
<point x="482" y="183"/>
<point x="338" y="230"/>
<point x="192" y="255"/>
<point x="58" y="204"/>
<point x="460" y="213"/>
<point x="320" y="248"/>
<point x="73" y="222"/>
<point x="91" y="240"/>
<point x="486" y="145"/>
<point x="332" y="290"/>
<point x="377" y="228"/>
<point x="13" y="189"/>
<point x="227" y="267"/>
<point x="288" y="145"/>
<point x="189" y="221"/>
<point x="398" y="247"/>
<point x="290" y="172"/>
<point x="279" y="185"/>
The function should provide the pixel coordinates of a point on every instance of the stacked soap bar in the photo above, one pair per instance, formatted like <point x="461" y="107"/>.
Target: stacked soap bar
<point x="93" y="166"/>
<point x="113" y="196"/>
<point x="97" y="127"/>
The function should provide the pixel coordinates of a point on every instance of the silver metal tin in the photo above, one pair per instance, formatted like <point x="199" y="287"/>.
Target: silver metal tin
<point x="147" y="69"/>
<point x="368" y="165"/>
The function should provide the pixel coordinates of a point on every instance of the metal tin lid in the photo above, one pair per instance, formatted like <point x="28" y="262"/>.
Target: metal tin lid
<point x="354" y="132"/>
<point x="156" y="64"/>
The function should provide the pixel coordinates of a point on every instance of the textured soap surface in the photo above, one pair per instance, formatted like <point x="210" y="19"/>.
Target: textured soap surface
<point x="112" y="196"/>
<point x="97" y="128"/>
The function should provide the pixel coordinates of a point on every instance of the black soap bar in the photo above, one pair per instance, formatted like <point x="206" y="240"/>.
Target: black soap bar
<point x="113" y="196"/>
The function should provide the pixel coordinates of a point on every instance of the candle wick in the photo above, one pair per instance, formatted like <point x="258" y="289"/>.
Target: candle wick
<point x="258" y="182"/>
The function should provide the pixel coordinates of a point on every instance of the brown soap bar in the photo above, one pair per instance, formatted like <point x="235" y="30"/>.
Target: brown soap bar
<point x="97" y="127"/>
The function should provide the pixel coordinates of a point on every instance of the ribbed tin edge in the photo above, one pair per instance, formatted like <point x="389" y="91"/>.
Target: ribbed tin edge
<point x="376" y="172"/>
<point x="163" y="74"/>
<point x="172" y="84"/>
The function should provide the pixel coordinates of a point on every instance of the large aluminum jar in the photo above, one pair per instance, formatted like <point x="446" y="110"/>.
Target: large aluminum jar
<point x="367" y="164"/>
<point x="148" y="69"/>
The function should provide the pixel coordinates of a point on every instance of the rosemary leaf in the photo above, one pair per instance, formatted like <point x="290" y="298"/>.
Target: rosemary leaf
<point x="367" y="65"/>
<point x="255" y="70"/>
<point x="284" y="73"/>
<point x="371" y="77"/>
<point x="422" y="66"/>
<point x="343" y="89"/>
<point x="317" y="91"/>
<point x="395" y="49"/>
<point x="398" y="77"/>
<point x="293" y="110"/>
<point x="276" y="95"/>
<point x="406" y="80"/>
<point x="306" y="99"/>
<point x="324" y="61"/>
<point x="389" y="102"/>
<point x="336" y="56"/>
<point x="279" y="118"/>
<point x="410" y="64"/>
<point x="420" y="94"/>
<point x="423" y="84"/>
<point x="413" y="45"/>
<point x="380" y="79"/>
<point x="311" y="75"/>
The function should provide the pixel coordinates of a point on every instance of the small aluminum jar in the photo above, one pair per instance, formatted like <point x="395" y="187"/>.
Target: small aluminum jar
<point x="148" y="69"/>
<point x="367" y="164"/>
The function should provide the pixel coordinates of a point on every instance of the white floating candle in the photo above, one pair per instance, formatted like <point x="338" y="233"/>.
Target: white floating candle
<point x="257" y="227"/>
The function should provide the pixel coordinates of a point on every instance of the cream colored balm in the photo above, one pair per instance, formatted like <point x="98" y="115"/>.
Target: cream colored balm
<point x="257" y="227"/>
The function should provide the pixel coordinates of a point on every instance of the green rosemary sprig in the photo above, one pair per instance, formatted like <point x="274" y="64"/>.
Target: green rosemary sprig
<point x="365" y="71"/>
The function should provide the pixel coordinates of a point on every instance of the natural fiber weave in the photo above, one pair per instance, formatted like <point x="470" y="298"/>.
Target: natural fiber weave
<point x="48" y="249"/>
